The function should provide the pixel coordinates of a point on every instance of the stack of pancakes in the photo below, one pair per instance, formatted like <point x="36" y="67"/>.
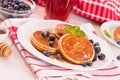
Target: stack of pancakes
<point x="41" y="43"/>
<point x="75" y="49"/>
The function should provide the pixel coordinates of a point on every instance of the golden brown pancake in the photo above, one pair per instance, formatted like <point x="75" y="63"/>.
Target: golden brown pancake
<point x="42" y="43"/>
<point x="60" y="28"/>
<point x="76" y="49"/>
<point x="117" y="33"/>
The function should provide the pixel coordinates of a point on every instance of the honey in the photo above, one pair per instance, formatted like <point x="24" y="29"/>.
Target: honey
<point x="61" y="60"/>
<point x="54" y="57"/>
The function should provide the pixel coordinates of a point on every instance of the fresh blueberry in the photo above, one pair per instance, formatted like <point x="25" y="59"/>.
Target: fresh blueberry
<point x="96" y="44"/>
<point x="16" y="1"/>
<point x="84" y="64"/>
<point x="52" y="37"/>
<point x="118" y="42"/>
<point x="16" y="7"/>
<point x="118" y="57"/>
<point x="97" y="49"/>
<point x="45" y="33"/>
<point x="89" y="63"/>
<point x="58" y="56"/>
<point x="95" y="58"/>
<point x="21" y="4"/>
<point x="27" y="7"/>
<point x="91" y="41"/>
<point x="51" y="43"/>
<point x="101" y="56"/>
<point x="46" y="53"/>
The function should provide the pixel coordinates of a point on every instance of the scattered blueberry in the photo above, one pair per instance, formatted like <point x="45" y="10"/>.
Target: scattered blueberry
<point x="84" y="64"/>
<point x="118" y="57"/>
<point x="46" y="53"/>
<point x="96" y="44"/>
<point x="52" y="37"/>
<point x="118" y="42"/>
<point x="45" y="33"/>
<point x="91" y="41"/>
<point x="58" y="56"/>
<point x="101" y="56"/>
<point x="51" y="43"/>
<point x="97" y="49"/>
<point x="89" y="63"/>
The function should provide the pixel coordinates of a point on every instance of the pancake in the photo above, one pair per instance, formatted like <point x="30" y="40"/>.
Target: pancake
<point x="76" y="49"/>
<point x="116" y="33"/>
<point x="60" y="29"/>
<point x="42" y="43"/>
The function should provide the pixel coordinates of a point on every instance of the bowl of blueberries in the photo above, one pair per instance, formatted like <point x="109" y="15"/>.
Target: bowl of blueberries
<point x="16" y="8"/>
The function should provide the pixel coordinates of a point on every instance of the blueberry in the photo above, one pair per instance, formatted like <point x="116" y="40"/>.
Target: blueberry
<point x="16" y="1"/>
<point x="21" y="4"/>
<point x="84" y="64"/>
<point x="21" y="9"/>
<point x="51" y="43"/>
<point x="95" y="58"/>
<point x="46" y="53"/>
<point x="58" y="56"/>
<point x="16" y="7"/>
<point x="118" y="42"/>
<point x="45" y="33"/>
<point x="101" y="56"/>
<point x="27" y="7"/>
<point x="97" y="49"/>
<point x="96" y="44"/>
<point x="89" y="63"/>
<point x="52" y="37"/>
<point x="118" y="57"/>
<point x="91" y="41"/>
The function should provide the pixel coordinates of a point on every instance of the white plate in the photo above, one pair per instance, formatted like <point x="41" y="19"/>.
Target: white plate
<point x="110" y="27"/>
<point x="28" y="28"/>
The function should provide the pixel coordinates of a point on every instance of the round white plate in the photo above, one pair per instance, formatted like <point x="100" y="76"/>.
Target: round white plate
<point x="110" y="27"/>
<point x="28" y="28"/>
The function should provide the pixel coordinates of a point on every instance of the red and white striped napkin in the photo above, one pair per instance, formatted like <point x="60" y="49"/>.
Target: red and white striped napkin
<point x="98" y="10"/>
<point x="45" y="71"/>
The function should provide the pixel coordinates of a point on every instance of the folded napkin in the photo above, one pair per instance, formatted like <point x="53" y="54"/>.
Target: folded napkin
<point x="45" y="71"/>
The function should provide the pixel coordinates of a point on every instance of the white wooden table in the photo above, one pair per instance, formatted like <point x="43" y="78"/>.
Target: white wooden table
<point x="15" y="68"/>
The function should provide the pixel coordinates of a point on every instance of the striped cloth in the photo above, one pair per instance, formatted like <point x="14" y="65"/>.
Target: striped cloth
<point x="97" y="10"/>
<point x="45" y="71"/>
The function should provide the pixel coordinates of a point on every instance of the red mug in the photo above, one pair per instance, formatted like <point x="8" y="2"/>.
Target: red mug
<point x="58" y="9"/>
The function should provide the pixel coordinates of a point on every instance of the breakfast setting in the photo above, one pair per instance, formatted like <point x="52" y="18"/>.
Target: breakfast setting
<point x="59" y="39"/>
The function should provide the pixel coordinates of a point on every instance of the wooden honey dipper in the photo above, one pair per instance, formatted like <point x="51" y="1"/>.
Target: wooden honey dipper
<point x="5" y="50"/>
